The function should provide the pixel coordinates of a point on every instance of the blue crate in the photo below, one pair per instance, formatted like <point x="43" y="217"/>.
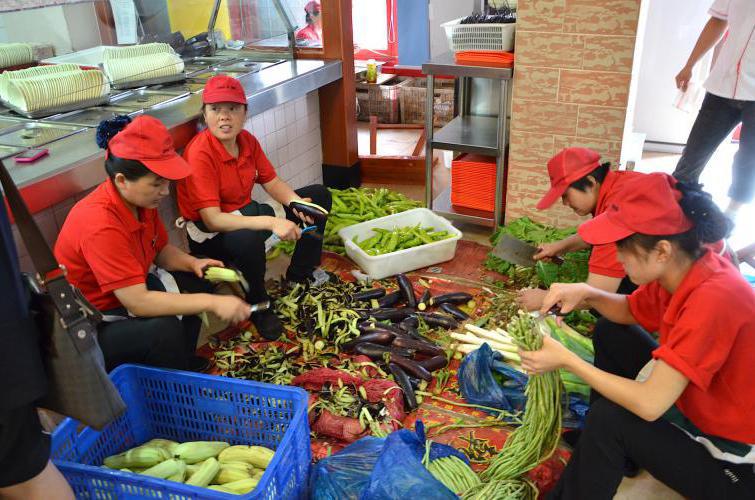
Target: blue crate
<point x="185" y="406"/>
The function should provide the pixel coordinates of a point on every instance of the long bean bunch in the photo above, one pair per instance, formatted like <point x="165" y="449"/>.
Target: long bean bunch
<point x="505" y="489"/>
<point x="537" y="437"/>
<point x="454" y="473"/>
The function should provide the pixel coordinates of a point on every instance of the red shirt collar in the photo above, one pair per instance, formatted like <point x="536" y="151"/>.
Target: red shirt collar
<point x="124" y="214"/>
<point x="605" y="189"/>
<point x="222" y="153"/>
<point x="702" y="269"/>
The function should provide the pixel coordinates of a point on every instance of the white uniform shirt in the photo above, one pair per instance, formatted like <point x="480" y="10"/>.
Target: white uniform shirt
<point x="733" y="73"/>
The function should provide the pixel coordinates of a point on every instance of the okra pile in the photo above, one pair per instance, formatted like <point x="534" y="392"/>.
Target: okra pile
<point x="400" y="238"/>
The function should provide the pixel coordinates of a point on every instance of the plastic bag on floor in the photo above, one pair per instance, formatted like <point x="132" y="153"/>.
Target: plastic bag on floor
<point x="399" y="472"/>
<point x="484" y="379"/>
<point x="345" y="474"/>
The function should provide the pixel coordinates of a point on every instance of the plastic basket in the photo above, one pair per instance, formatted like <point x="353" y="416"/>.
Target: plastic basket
<point x="185" y="406"/>
<point x="473" y="182"/>
<point x="413" y="96"/>
<point x="380" y="100"/>
<point x="380" y="266"/>
<point x="479" y="36"/>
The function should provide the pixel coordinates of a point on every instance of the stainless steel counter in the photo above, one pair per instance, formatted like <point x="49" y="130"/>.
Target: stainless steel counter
<point x="75" y="163"/>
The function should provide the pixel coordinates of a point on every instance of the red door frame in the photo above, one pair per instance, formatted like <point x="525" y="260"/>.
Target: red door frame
<point x="391" y="54"/>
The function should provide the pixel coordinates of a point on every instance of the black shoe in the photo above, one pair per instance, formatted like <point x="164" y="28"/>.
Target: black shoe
<point x="316" y="277"/>
<point x="268" y="325"/>
<point x="198" y="364"/>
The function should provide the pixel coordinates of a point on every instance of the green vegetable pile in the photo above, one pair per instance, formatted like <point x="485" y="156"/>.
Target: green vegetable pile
<point x="351" y="206"/>
<point x="573" y="270"/>
<point x="400" y="238"/>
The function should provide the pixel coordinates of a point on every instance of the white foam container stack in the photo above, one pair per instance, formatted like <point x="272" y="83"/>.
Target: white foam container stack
<point x="401" y="261"/>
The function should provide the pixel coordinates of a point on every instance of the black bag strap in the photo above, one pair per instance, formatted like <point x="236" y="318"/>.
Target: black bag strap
<point x="74" y="313"/>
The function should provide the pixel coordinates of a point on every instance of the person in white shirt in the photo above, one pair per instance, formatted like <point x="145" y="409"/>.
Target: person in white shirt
<point x="730" y="98"/>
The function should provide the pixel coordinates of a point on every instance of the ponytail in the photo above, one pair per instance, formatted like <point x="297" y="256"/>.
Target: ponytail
<point x="131" y="169"/>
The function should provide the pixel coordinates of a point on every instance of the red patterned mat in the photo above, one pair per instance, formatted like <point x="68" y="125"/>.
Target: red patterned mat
<point x="480" y="443"/>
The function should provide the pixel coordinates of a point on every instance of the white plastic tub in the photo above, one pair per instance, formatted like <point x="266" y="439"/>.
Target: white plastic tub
<point x="380" y="266"/>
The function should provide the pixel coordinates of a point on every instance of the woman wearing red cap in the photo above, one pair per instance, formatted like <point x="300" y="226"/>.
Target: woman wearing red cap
<point x="689" y="417"/>
<point x="588" y="187"/>
<point x="116" y="251"/>
<point x="216" y="199"/>
<point x="311" y="34"/>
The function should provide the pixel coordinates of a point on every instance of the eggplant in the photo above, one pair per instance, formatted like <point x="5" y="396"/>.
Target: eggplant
<point x="375" y="351"/>
<point x="402" y="379"/>
<point x="424" y="300"/>
<point x="312" y="210"/>
<point x="454" y="311"/>
<point x="407" y="290"/>
<point x="420" y="346"/>
<point x="411" y="367"/>
<point x="451" y="298"/>
<point x="438" y="320"/>
<point x="434" y="363"/>
<point x="392" y="314"/>
<point x="377" y="337"/>
<point x="372" y="326"/>
<point x="373" y="293"/>
<point x="390" y="299"/>
<point x="410" y="323"/>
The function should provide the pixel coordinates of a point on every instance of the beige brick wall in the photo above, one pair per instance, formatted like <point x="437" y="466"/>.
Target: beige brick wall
<point x="571" y="86"/>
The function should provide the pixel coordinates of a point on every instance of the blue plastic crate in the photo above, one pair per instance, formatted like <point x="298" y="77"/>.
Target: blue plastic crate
<point x="185" y="406"/>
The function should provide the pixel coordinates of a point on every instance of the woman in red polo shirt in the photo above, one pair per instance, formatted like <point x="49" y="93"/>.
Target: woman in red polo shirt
<point x="116" y="251"/>
<point x="689" y="417"/>
<point x="588" y="187"/>
<point x="216" y="199"/>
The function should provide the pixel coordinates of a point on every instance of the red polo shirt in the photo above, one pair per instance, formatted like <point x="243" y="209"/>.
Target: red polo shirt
<point x="105" y="248"/>
<point x="707" y="332"/>
<point x="218" y="179"/>
<point x="603" y="257"/>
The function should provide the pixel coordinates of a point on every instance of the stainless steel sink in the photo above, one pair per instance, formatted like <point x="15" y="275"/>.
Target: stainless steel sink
<point x="180" y="88"/>
<point x="238" y="67"/>
<point x="144" y="99"/>
<point x="8" y="151"/>
<point x="35" y="134"/>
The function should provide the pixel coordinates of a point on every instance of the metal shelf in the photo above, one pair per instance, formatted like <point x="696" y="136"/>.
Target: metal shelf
<point x="442" y="206"/>
<point x="469" y="134"/>
<point x="445" y="64"/>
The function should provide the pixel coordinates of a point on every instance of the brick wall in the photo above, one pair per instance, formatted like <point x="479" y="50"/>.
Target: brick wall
<point x="290" y="137"/>
<point x="571" y="87"/>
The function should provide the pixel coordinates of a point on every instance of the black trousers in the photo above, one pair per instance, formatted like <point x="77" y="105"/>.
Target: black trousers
<point x="612" y="435"/>
<point x="717" y="118"/>
<point x="245" y="249"/>
<point x="162" y="341"/>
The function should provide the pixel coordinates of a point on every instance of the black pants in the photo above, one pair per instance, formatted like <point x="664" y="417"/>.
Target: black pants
<point x="162" y="341"/>
<point x="717" y="118"/>
<point x="612" y="435"/>
<point x="245" y="248"/>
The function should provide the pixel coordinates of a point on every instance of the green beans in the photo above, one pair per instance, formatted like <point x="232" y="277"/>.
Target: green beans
<point x="506" y="489"/>
<point x="454" y="473"/>
<point x="537" y="437"/>
<point x="400" y="238"/>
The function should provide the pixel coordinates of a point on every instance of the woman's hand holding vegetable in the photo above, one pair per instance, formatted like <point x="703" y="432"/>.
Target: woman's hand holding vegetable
<point x="230" y="308"/>
<point x="198" y="266"/>
<point x="552" y="356"/>
<point x="285" y="229"/>
<point x="302" y="217"/>
<point x="568" y="296"/>
<point x="530" y="299"/>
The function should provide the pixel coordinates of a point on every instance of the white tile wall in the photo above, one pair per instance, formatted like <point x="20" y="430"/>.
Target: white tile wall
<point x="290" y="137"/>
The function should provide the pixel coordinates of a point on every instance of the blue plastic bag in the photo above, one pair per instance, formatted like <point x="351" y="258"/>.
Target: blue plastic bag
<point x="479" y="385"/>
<point x="399" y="473"/>
<point x="345" y="474"/>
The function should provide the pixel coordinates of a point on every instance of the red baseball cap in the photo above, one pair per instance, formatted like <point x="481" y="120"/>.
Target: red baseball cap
<point x="569" y="165"/>
<point x="147" y="140"/>
<point x="223" y="88"/>
<point x="312" y="7"/>
<point x="647" y="204"/>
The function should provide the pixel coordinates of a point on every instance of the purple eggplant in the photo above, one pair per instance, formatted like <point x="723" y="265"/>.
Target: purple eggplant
<point x="376" y="351"/>
<point x="411" y="367"/>
<point x="393" y="314"/>
<point x="365" y="295"/>
<point x="407" y="290"/>
<point x="312" y="210"/>
<point x="420" y="346"/>
<point x="451" y="298"/>
<point x="377" y="337"/>
<point x="390" y="299"/>
<point x="424" y="300"/>
<point x="403" y="381"/>
<point x="438" y="320"/>
<point x="434" y="363"/>
<point x="454" y="311"/>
